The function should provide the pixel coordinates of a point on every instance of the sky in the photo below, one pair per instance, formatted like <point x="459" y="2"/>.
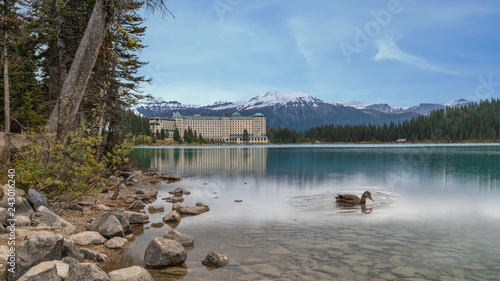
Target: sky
<point x="400" y="52"/>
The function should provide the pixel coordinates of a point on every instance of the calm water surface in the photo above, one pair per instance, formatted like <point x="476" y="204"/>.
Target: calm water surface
<point x="436" y="214"/>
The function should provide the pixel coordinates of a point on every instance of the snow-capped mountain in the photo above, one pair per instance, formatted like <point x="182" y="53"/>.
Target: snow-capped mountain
<point x="277" y="99"/>
<point x="423" y="108"/>
<point x="460" y="102"/>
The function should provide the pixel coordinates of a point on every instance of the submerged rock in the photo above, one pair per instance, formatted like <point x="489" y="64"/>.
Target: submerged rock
<point x="116" y="243"/>
<point x="93" y="255"/>
<point x="186" y="210"/>
<point x="162" y="253"/>
<point x="184" y="239"/>
<point x="179" y="191"/>
<point x="215" y="260"/>
<point x="156" y="209"/>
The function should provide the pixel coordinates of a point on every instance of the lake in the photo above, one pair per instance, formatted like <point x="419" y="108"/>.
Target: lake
<point x="436" y="214"/>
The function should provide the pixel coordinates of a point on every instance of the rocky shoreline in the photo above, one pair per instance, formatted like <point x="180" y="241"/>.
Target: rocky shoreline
<point x="72" y="241"/>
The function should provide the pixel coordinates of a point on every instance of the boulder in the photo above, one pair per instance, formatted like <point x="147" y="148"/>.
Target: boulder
<point x="38" y="247"/>
<point x="174" y="199"/>
<point x="86" y="271"/>
<point x="172" y="217"/>
<point x="215" y="260"/>
<point x="162" y="253"/>
<point x="116" y="243"/>
<point x="110" y="227"/>
<point x="100" y="224"/>
<point x="37" y="199"/>
<point x="44" y="216"/>
<point x="134" y="273"/>
<point x="88" y="238"/>
<point x="93" y="255"/>
<point x="134" y="217"/>
<point x="41" y="272"/>
<point x="156" y="209"/>
<point x="137" y="204"/>
<point x="70" y="250"/>
<point x="184" y="239"/>
<point x="179" y="191"/>
<point x="186" y="210"/>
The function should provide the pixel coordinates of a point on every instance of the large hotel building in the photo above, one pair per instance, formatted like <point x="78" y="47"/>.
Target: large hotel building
<point x="219" y="128"/>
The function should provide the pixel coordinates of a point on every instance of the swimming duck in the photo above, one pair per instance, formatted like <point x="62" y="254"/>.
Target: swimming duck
<point x="353" y="199"/>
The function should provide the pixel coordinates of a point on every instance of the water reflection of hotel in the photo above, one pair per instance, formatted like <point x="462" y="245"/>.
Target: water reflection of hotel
<point x="210" y="160"/>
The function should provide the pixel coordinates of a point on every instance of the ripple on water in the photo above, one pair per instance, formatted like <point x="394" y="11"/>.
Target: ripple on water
<point x="325" y="202"/>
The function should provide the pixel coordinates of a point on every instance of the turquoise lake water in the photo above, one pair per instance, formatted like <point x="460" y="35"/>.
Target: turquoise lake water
<point x="436" y="214"/>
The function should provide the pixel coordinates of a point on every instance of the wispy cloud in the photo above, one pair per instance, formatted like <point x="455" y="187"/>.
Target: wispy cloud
<point x="389" y="50"/>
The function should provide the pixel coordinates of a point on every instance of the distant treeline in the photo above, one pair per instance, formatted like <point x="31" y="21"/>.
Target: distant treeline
<point x="476" y="122"/>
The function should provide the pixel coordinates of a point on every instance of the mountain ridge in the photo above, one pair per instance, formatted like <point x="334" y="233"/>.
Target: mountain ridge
<point x="295" y="110"/>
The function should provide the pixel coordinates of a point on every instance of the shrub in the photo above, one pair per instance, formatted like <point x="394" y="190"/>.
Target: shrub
<point x="68" y="170"/>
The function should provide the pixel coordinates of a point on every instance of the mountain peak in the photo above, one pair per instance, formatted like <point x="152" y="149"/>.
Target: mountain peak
<point x="276" y="98"/>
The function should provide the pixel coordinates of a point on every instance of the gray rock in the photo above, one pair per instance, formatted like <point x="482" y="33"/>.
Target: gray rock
<point x="62" y="269"/>
<point x="41" y="272"/>
<point x="70" y="261"/>
<point x="186" y="210"/>
<point x="88" y="238"/>
<point x="74" y="207"/>
<point x="172" y="217"/>
<point x="162" y="253"/>
<point x="156" y="209"/>
<point x="116" y="243"/>
<point x="44" y="216"/>
<point x="38" y="247"/>
<point x="110" y="227"/>
<point x="134" y="273"/>
<point x="101" y="207"/>
<point x="22" y="220"/>
<point x="184" y="239"/>
<point x="23" y="208"/>
<point x="86" y="271"/>
<point x="137" y="204"/>
<point x="134" y="217"/>
<point x="70" y="250"/>
<point x="93" y="255"/>
<point x="2" y="228"/>
<point x="215" y="260"/>
<point x="37" y="199"/>
<point x="100" y="223"/>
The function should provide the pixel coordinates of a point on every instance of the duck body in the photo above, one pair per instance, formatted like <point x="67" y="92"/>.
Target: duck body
<point x="353" y="199"/>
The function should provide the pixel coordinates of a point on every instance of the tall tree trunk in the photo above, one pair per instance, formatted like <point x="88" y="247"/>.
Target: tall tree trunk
<point x="63" y="117"/>
<point x="6" y="96"/>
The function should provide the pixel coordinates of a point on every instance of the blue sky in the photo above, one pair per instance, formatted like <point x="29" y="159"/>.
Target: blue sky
<point x="398" y="52"/>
